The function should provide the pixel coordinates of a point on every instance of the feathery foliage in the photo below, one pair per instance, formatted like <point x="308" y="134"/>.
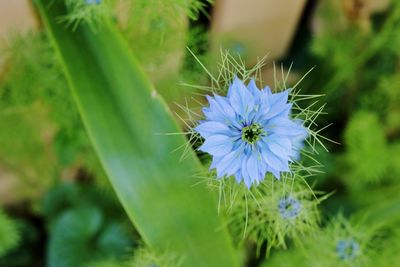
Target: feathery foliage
<point x="9" y="235"/>
<point x="145" y="257"/>
<point x="367" y="153"/>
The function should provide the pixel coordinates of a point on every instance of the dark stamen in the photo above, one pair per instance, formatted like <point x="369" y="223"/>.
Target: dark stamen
<point x="252" y="133"/>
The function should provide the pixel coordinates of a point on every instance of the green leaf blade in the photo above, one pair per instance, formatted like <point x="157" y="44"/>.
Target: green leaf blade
<point x="126" y="122"/>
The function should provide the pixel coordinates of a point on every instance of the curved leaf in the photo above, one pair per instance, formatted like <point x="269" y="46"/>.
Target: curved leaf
<point x="126" y="119"/>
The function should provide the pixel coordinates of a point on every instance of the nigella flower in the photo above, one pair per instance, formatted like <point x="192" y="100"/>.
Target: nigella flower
<point x="289" y="207"/>
<point x="91" y="2"/>
<point x="249" y="132"/>
<point x="347" y="249"/>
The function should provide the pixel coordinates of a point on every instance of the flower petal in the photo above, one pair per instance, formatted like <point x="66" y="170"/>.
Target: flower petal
<point x="267" y="90"/>
<point x="280" y="146"/>
<point x="262" y="107"/>
<point x="298" y="141"/>
<point x="283" y="126"/>
<point x="280" y="98"/>
<point x="262" y="167"/>
<point x="277" y="104"/>
<point x="276" y="173"/>
<point x="225" y="106"/>
<point x="272" y="160"/>
<point x="213" y="115"/>
<point x="245" y="174"/>
<point x="252" y="167"/>
<point x="240" y="98"/>
<point x="217" y="145"/>
<point x="254" y="89"/>
<point x="215" y="161"/>
<point x="208" y="128"/>
<point x="220" y="110"/>
<point x="277" y="110"/>
<point x="238" y="176"/>
<point x="229" y="164"/>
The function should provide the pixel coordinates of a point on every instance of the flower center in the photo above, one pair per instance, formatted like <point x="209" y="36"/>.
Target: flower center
<point x="347" y="249"/>
<point x="289" y="207"/>
<point x="252" y="133"/>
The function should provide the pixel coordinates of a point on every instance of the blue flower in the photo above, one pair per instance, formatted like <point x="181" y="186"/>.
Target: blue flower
<point x="91" y="2"/>
<point x="347" y="249"/>
<point x="249" y="132"/>
<point x="289" y="207"/>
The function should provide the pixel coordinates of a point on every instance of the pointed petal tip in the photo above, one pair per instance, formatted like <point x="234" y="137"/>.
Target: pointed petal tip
<point x="248" y="183"/>
<point x="252" y="82"/>
<point x="275" y="173"/>
<point x="238" y="177"/>
<point x="267" y="89"/>
<point x="236" y="77"/>
<point x="209" y="98"/>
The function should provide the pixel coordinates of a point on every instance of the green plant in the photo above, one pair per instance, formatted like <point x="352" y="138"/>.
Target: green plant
<point x="149" y="179"/>
<point x="9" y="235"/>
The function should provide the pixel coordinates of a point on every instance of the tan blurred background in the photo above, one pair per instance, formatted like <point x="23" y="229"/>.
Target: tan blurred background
<point x="16" y="15"/>
<point x="235" y="22"/>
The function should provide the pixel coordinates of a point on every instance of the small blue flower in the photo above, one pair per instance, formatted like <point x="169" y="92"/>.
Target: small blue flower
<point x="238" y="48"/>
<point x="289" y="207"/>
<point x="347" y="249"/>
<point x="249" y="132"/>
<point x="91" y="2"/>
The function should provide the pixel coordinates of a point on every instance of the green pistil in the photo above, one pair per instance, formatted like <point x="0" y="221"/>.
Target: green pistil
<point x="252" y="133"/>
